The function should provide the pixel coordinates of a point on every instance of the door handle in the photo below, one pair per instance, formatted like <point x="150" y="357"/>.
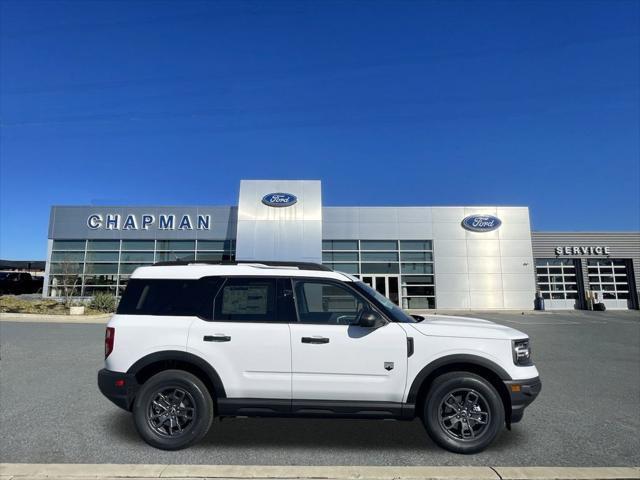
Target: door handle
<point x="315" y="340"/>
<point x="216" y="338"/>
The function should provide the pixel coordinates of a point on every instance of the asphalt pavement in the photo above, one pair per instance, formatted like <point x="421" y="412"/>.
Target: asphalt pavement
<point x="588" y="413"/>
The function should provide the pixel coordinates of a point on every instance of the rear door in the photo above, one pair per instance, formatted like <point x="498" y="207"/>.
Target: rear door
<point x="247" y="339"/>
<point x="334" y="359"/>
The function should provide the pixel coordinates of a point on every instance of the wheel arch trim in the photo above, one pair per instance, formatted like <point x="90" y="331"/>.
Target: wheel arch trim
<point x="430" y="368"/>
<point x="183" y="357"/>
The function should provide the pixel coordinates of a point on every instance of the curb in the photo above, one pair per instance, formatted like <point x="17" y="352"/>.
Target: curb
<point x="25" y="471"/>
<point x="39" y="318"/>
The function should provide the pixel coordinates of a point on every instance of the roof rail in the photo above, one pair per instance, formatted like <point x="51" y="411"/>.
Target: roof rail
<point x="268" y="263"/>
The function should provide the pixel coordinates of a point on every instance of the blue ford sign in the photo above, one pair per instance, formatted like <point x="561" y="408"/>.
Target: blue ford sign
<point x="279" y="199"/>
<point x="481" y="223"/>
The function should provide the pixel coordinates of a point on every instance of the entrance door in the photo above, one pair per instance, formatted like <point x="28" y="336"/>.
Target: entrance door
<point x="387" y="285"/>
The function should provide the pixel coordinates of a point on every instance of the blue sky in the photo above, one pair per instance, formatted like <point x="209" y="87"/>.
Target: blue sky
<point x="388" y="103"/>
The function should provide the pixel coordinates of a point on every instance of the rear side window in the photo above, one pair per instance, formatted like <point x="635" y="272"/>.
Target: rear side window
<point x="169" y="297"/>
<point x="247" y="300"/>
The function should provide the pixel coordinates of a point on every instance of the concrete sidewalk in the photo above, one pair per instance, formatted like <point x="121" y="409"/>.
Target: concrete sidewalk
<point x="24" y="471"/>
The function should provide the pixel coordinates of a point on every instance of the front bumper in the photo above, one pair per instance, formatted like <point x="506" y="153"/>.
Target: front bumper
<point x="522" y="393"/>
<point x="120" y="388"/>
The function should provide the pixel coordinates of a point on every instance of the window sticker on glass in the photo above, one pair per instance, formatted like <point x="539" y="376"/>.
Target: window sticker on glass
<point x="241" y="300"/>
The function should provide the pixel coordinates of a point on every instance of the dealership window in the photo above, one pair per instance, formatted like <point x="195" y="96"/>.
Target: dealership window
<point x="215" y="250"/>
<point x="108" y="245"/>
<point x="176" y="245"/>
<point x="175" y="256"/>
<point x="138" y="245"/>
<point x="69" y="245"/>
<point x="96" y="265"/>
<point x="401" y="270"/>
<point x="608" y="277"/>
<point x="556" y="278"/>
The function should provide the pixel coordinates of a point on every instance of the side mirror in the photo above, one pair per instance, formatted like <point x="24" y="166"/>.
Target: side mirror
<point x="370" y="319"/>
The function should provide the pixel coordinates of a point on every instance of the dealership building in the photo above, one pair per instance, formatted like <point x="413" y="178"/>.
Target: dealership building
<point x="459" y="257"/>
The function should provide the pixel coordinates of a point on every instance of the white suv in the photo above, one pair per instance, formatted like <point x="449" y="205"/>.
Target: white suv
<point x="194" y="341"/>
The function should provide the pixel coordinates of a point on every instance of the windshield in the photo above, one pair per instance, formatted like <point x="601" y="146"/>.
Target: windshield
<point x="389" y="307"/>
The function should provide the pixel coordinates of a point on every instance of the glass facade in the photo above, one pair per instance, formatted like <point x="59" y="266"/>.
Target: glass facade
<point x="402" y="270"/>
<point x="86" y="267"/>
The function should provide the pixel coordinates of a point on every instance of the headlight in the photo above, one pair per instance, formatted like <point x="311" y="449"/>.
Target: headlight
<point x="521" y="352"/>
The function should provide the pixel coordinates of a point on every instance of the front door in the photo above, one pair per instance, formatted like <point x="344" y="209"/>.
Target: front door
<point x="387" y="285"/>
<point x="248" y="341"/>
<point x="335" y="359"/>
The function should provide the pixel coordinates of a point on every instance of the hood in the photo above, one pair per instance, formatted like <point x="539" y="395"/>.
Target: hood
<point x="446" y="326"/>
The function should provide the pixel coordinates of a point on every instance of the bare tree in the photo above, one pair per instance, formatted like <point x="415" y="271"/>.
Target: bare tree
<point x="69" y="274"/>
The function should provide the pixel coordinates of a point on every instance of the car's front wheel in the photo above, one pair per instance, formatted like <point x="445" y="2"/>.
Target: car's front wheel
<point x="173" y="410"/>
<point x="463" y="412"/>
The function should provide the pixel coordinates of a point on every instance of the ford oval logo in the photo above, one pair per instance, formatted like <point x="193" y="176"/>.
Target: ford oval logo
<point x="481" y="223"/>
<point x="279" y="199"/>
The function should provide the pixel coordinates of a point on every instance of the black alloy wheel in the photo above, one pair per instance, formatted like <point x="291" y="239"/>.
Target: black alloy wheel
<point x="463" y="412"/>
<point x="173" y="410"/>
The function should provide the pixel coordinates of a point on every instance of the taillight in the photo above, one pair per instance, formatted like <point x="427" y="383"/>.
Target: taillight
<point x="109" y="337"/>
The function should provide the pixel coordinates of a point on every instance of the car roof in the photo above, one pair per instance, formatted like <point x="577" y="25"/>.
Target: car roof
<point x="199" y="270"/>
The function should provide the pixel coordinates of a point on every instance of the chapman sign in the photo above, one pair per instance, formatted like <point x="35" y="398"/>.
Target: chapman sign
<point x="115" y="221"/>
<point x="584" y="250"/>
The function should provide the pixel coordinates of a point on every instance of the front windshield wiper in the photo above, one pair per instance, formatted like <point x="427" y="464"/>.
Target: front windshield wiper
<point x="418" y="318"/>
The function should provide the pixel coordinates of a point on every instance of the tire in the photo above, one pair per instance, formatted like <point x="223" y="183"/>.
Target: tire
<point x="456" y="406"/>
<point x="173" y="410"/>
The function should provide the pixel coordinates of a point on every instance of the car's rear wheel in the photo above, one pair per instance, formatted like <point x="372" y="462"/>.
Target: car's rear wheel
<point x="463" y="412"/>
<point x="173" y="410"/>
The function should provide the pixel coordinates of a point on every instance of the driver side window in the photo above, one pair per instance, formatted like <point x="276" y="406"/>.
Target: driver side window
<point x="328" y="303"/>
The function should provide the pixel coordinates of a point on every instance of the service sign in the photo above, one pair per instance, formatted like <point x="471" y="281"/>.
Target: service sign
<point x="481" y="223"/>
<point x="279" y="199"/>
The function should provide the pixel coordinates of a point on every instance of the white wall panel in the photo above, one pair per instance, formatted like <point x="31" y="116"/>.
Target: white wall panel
<point x="414" y="214"/>
<point x="486" y="300"/>
<point x="479" y="211"/>
<point x="381" y="231"/>
<point x="451" y="282"/>
<point x="516" y="248"/>
<point x="517" y="282"/>
<point x="485" y="282"/>
<point x="518" y="300"/>
<point x="449" y="248"/>
<point x="484" y="265"/>
<point x="378" y="214"/>
<point x="340" y="214"/>
<point x="451" y="265"/>
<point x="453" y="300"/>
<point x="416" y="231"/>
<point x="523" y="265"/>
<point x="482" y="235"/>
<point x="514" y="231"/>
<point x="447" y="214"/>
<point x="341" y="230"/>
<point x="483" y="248"/>
<point x="449" y="230"/>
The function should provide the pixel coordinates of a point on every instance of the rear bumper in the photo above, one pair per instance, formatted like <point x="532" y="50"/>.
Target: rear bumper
<point x="522" y="393"/>
<point x="111" y="386"/>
